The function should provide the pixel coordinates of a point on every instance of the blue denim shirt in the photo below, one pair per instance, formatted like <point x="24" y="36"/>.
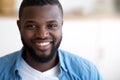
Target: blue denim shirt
<point x="71" y="67"/>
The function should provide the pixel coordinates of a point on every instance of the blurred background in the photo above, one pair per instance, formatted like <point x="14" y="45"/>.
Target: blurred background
<point x="91" y="29"/>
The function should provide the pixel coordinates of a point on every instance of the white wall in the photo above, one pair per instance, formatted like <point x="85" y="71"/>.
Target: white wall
<point x="9" y="36"/>
<point x="97" y="40"/>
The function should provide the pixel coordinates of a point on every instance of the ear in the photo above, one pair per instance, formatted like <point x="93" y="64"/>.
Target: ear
<point x="62" y="22"/>
<point x="18" y="24"/>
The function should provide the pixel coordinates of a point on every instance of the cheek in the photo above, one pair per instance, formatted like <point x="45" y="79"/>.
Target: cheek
<point x="26" y="35"/>
<point x="58" y="35"/>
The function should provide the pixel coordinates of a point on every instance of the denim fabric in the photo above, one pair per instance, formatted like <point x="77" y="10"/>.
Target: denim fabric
<point x="72" y="67"/>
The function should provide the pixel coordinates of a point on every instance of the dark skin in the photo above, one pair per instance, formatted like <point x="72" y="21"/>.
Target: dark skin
<point x="41" y="30"/>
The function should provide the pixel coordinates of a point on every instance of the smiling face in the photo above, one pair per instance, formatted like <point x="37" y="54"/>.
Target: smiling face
<point x="41" y="31"/>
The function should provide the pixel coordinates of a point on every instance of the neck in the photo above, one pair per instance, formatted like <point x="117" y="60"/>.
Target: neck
<point x="41" y="66"/>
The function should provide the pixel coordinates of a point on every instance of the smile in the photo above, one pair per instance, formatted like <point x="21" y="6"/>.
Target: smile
<point x="43" y="43"/>
<point x="42" y="46"/>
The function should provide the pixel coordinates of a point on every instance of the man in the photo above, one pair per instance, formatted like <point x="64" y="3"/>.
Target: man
<point x="40" y="25"/>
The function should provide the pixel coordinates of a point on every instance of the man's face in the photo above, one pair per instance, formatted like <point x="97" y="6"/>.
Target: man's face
<point x="41" y="31"/>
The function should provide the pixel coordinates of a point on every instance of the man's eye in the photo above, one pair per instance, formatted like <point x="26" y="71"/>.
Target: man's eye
<point x="52" y="26"/>
<point x="31" y="27"/>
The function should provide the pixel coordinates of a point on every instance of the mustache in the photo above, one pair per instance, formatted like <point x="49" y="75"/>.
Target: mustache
<point x="43" y="39"/>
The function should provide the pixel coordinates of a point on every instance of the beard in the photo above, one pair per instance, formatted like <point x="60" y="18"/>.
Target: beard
<point x="41" y="58"/>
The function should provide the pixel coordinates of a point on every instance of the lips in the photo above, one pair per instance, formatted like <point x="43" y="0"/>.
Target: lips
<point x="43" y="43"/>
<point x="42" y="46"/>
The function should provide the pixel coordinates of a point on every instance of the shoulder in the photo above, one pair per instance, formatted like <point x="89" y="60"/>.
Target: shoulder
<point x="79" y="66"/>
<point x="8" y="57"/>
<point x="8" y="60"/>
<point x="71" y="57"/>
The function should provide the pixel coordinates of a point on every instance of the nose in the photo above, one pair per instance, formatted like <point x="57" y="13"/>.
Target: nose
<point x="42" y="33"/>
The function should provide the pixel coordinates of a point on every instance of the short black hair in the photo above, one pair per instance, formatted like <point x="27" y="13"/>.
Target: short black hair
<point x="26" y="3"/>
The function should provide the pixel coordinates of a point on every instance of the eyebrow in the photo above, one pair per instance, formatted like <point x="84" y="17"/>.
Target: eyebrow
<point x="29" y="21"/>
<point x="52" y="21"/>
<point x="49" y="21"/>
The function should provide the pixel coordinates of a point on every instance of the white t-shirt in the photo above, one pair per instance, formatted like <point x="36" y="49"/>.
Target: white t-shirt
<point x="29" y="73"/>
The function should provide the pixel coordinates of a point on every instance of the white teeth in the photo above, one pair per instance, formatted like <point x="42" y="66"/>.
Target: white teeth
<point x="44" y="44"/>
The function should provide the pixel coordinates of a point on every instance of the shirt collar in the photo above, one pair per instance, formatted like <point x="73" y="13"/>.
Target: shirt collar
<point x="61" y="60"/>
<point x="60" y="55"/>
<point x="18" y="60"/>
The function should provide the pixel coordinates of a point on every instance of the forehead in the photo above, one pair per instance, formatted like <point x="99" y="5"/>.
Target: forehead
<point x="41" y="12"/>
